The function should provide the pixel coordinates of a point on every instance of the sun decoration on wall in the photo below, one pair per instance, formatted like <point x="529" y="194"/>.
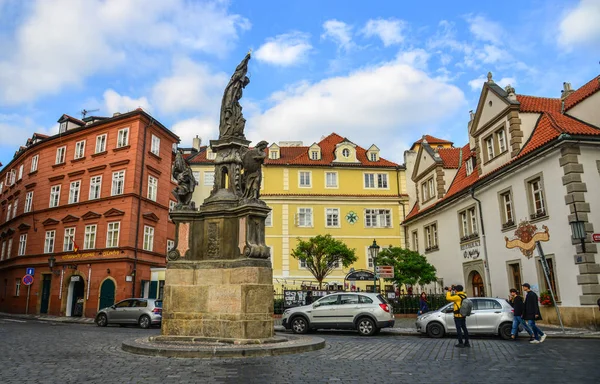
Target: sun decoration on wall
<point x="526" y="236"/>
<point x="351" y="217"/>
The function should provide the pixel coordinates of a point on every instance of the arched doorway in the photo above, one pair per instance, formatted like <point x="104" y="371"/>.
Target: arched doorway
<point x="107" y="294"/>
<point x="477" y="284"/>
<point x="75" y="296"/>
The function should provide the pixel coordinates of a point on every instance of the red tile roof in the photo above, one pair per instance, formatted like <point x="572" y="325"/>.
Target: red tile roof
<point x="450" y="157"/>
<point x="538" y="104"/>
<point x="431" y="140"/>
<point x="413" y="211"/>
<point x="582" y="93"/>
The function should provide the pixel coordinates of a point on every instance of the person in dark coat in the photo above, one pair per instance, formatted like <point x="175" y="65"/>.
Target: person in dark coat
<point x="423" y="304"/>
<point x="531" y="313"/>
<point x="518" y="307"/>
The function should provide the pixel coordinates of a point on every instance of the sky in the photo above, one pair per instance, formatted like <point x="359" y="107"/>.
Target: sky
<point x="375" y="72"/>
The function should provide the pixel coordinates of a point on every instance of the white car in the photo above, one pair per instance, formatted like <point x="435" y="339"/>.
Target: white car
<point x="363" y="311"/>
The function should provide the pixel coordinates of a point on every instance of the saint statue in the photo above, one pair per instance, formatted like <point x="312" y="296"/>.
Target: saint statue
<point x="252" y="161"/>
<point x="182" y="173"/>
<point x="232" y="121"/>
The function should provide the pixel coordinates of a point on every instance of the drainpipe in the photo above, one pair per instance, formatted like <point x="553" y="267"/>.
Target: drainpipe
<point x="139" y="215"/>
<point x="486" y="265"/>
<point x="403" y="207"/>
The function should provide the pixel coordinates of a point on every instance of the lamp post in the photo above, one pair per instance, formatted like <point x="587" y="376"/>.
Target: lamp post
<point x="578" y="229"/>
<point x="373" y="252"/>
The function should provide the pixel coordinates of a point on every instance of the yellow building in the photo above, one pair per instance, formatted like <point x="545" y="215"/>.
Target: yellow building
<point x="333" y="186"/>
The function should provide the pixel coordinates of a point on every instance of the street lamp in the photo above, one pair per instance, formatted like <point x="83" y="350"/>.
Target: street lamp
<point x="578" y="229"/>
<point x="51" y="261"/>
<point x="373" y="252"/>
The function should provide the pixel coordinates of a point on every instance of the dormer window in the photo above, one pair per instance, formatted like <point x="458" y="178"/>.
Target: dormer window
<point x="373" y="156"/>
<point x="469" y="166"/>
<point x="373" y="153"/>
<point x="210" y="155"/>
<point x="346" y="152"/>
<point x="63" y="127"/>
<point x="273" y="155"/>
<point x="314" y="155"/>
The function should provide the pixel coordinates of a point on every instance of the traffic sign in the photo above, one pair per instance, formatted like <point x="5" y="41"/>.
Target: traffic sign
<point x="27" y="279"/>
<point x="30" y="271"/>
<point x="596" y="237"/>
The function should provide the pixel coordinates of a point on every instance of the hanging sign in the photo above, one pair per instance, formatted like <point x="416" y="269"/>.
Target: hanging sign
<point x="526" y="236"/>
<point x="362" y="275"/>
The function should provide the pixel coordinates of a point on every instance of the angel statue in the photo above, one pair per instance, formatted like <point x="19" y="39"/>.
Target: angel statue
<point x="232" y="121"/>
<point x="182" y="173"/>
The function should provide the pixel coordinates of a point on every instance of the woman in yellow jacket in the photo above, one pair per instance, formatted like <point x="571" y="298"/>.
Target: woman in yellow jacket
<point x="456" y="295"/>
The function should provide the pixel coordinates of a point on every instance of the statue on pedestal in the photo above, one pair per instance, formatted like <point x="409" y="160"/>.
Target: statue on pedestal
<point x="252" y="161"/>
<point x="182" y="173"/>
<point x="232" y="121"/>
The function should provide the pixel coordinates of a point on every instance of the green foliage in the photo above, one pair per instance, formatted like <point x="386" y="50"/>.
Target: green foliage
<point x="410" y="267"/>
<point x="320" y="253"/>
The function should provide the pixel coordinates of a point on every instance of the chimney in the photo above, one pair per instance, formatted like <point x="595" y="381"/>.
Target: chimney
<point x="196" y="141"/>
<point x="511" y="93"/>
<point x="567" y="90"/>
<point x="116" y="114"/>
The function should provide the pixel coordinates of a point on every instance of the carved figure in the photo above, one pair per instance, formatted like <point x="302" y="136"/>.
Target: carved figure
<point x="232" y="121"/>
<point x="252" y="176"/>
<point x="186" y="183"/>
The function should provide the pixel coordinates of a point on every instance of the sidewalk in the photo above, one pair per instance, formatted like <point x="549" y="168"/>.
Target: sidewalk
<point x="55" y="319"/>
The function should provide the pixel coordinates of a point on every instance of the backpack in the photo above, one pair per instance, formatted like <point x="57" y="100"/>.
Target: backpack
<point x="466" y="306"/>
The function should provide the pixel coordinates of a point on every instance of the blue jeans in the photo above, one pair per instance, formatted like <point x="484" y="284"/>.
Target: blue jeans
<point x="537" y="333"/>
<point x="515" y="326"/>
<point x="461" y="329"/>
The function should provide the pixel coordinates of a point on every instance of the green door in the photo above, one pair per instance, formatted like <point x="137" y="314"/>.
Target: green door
<point x="45" y="293"/>
<point x="107" y="294"/>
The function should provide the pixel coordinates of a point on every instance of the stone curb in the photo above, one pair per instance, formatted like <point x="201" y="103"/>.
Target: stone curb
<point x="56" y="319"/>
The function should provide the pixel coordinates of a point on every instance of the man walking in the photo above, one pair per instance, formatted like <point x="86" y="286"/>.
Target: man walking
<point x="518" y="306"/>
<point x="456" y="295"/>
<point x="531" y="313"/>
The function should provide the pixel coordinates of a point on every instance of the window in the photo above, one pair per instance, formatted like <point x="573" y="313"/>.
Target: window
<point x="20" y="171"/>
<point x="209" y="177"/>
<point x="506" y="209"/>
<point x="63" y="127"/>
<point x="551" y="275"/>
<point x="537" y="204"/>
<point x="431" y="237"/>
<point x="79" y="149"/>
<point x="95" y="187"/>
<point x="118" y="183"/>
<point x="430" y="188"/>
<point x="274" y="155"/>
<point x="376" y="180"/>
<point x="302" y="263"/>
<point x="211" y="155"/>
<point x="514" y="275"/>
<point x="469" y="165"/>
<point x="489" y="144"/>
<point x="148" y="238"/>
<point x="332" y="217"/>
<point x="196" y="175"/>
<point x="60" y="155"/>
<point x="269" y="219"/>
<point x="74" y="192"/>
<point x="305" y="217"/>
<point x="123" y="138"/>
<point x="501" y="140"/>
<point x="17" y="287"/>
<point x="314" y="155"/>
<point x="9" y="248"/>
<point x="373" y="156"/>
<point x="8" y="211"/>
<point x="415" y="241"/>
<point x="69" y="239"/>
<point x="10" y="178"/>
<point x="155" y="147"/>
<point x="170" y="245"/>
<point x="28" y="202"/>
<point x="468" y="224"/>
<point x="346" y="152"/>
<point x="1" y="186"/>
<point x="382" y="180"/>
<point x="304" y="178"/>
<point x="112" y="235"/>
<point x="15" y="207"/>
<point x="49" y="242"/>
<point x="22" y="244"/>
<point x="378" y="218"/>
<point x="101" y="143"/>
<point x="427" y="189"/>
<point x="152" y="187"/>
<point x="3" y="250"/>
<point x="473" y="217"/>
<point x="54" y="196"/>
<point x="331" y="179"/>
<point x="34" y="163"/>
<point x="172" y="205"/>
<point x="89" y="241"/>
<point x="369" y="180"/>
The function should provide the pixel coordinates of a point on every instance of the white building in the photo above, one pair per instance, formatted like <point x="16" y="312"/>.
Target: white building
<point x="528" y="158"/>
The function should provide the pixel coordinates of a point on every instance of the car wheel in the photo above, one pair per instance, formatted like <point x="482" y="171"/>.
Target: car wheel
<point x="299" y="325"/>
<point x="505" y="331"/>
<point x="435" y="330"/>
<point x="366" y="327"/>
<point x="144" y="322"/>
<point x="102" y="320"/>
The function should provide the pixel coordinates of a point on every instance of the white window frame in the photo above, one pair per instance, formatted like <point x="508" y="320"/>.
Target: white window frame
<point x="148" y="238"/>
<point x="334" y="177"/>
<point x="112" y="234"/>
<point x="21" y="167"/>
<point x="74" y="191"/>
<point x="473" y="219"/>
<point x="34" y="163"/>
<point x="15" y="207"/>
<point x="22" y="244"/>
<point x="8" y="211"/>
<point x="69" y="239"/>
<point x="9" y="248"/>
<point x="374" y="217"/>
<point x="507" y="208"/>
<point x="3" y="250"/>
<point x="101" y="143"/>
<point x="17" y="287"/>
<point x="28" y="202"/>
<point x="431" y="187"/>
<point x="431" y="237"/>
<point x="61" y="154"/>
<point x="123" y="137"/>
<point x="79" y="150"/>
<point x="95" y="187"/>
<point x="62" y="127"/>
<point x="369" y="180"/>
<point x="155" y="145"/>
<point x="89" y="240"/>
<point x="170" y="244"/>
<point x="469" y="165"/>
<point x="489" y="144"/>
<point x="501" y="140"/>
<point x="196" y="175"/>
<point x="269" y="219"/>
<point x="118" y="183"/>
<point x="49" y="241"/>
<point x="304" y="179"/>
<point x="54" y="196"/>
<point x="346" y="152"/>
<point x="209" y="180"/>
<point x="314" y="155"/>
<point x="539" y="193"/>
<point x="373" y="156"/>
<point x="415" y="240"/>
<point x="334" y="213"/>
<point x="152" y="188"/>
<point x="376" y="180"/>
<point x="305" y="217"/>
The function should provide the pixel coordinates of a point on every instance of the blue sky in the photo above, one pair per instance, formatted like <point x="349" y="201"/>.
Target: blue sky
<point x="382" y="72"/>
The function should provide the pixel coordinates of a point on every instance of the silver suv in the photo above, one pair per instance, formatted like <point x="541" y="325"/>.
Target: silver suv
<point x="363" y="311"/>
<point x="490" y="316"/>
<point x="144" y="312"/>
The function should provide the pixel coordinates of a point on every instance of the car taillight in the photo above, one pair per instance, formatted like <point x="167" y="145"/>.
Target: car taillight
<point x="385" y="307"/>
<point x="158" y="311"/>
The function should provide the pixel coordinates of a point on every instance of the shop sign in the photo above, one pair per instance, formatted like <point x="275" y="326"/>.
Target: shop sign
<point x="88" y="255"/>
<point x="360" y="276"/>
<point x="75" y="278"/>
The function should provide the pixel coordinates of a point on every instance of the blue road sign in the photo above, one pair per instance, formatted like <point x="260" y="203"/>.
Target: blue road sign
<point x="30" y="271"/>
<point x="27" y="279"/>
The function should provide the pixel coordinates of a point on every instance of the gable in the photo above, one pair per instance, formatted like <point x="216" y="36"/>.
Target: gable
<point x="150" y="216"/>
<point x="113" y="212"/>
<point x="345" y="152"/>
<point x="70" y="219"/>
<point x="49" y="221"/>
<point x="425" y="162"/>
<point x="91" y="215"/>
<point x="489" y="107"/>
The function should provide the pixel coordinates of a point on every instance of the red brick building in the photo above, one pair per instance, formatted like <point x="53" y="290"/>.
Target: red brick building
<point x="88" y="210"/>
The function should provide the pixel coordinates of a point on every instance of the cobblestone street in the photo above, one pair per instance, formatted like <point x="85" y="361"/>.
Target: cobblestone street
<point x="44" y="352"/>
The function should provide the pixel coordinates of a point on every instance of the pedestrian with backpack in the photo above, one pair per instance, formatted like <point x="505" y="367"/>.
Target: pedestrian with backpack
<point x="462" y="309"/>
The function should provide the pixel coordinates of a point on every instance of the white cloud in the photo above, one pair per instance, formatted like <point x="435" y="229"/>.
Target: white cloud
<point x="15" y="129"/>
<point x="389" y="31"/>
<point x="284" y="50"/>
<point x="191" y="87"/>
<point x="339" y="32"/>
<point x="115" y="102"/>
<point x="477" y="83"/>
<point x="416" y="58"/>
<point x="389" y="103"/>
<point x="580" y="25"/>
<point x="206" y="128"/>
<point x="485" y="30"/>
<point x="62" y="42"/>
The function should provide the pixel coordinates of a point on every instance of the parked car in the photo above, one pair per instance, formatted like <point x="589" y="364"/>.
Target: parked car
<point x="144" y="312"/>
<point x="490" y="316"/>
<point x="363" y="311"/>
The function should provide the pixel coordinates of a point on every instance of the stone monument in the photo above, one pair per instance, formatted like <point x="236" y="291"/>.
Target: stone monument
<point x="219" y="280"/>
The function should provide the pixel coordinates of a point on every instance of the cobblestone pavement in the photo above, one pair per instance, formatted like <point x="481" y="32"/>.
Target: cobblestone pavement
<point x="45" y="352"/>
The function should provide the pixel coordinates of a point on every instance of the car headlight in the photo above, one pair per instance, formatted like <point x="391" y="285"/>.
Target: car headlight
<point x="423" y="317"/>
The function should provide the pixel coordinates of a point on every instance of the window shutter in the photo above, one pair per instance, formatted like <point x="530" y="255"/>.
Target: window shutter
<point x="153" y="290"/>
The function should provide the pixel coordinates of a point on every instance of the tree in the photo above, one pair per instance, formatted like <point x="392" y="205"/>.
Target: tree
<point x="321" y="254"/>
<point x="410" y="267"/>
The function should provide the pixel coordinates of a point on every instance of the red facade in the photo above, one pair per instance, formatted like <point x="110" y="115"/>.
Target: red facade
<point x="91" y="210"/>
